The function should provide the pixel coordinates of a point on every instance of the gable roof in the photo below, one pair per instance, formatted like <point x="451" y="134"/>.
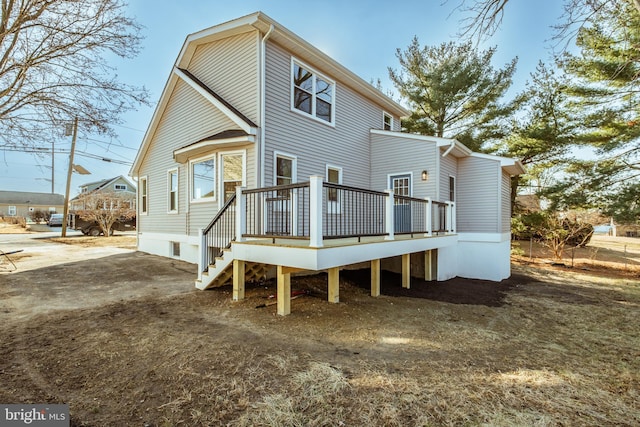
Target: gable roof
<point x="26" y="197"/>
<point x="217" y="100"/>
<point x="106" y="182"/>
<point x="278" y="34"/>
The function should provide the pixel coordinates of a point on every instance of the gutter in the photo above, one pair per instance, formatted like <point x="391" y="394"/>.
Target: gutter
<point x="263" y="102"/>
<point x="453" y="144"/>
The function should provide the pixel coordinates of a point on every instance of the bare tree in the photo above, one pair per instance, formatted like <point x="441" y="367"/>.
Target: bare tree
<point x="485" y="16"/>
<point x="105" y="208"/>
<point x="54" y="66"/>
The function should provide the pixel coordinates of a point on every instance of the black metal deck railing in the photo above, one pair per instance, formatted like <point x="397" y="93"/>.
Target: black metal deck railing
<point x="285" y="211"/>
<point x="281" y="211"/>
<point x="219" y="234"/>
<point x="410" y="215"/>
<point x="352" y="212"/>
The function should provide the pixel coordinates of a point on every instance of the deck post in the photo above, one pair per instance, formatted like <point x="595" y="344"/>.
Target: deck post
<point x="315" y="214"/>
<point x="375" y="277"/>
<point x="284" y="291"/>
<point x="334" y="285"/>
<point x="389" y="226"/>
<point x="238" y="279"/>
<point x="406" y="271"/>
<point x="203" y="248"/>
<point x="448" y="218"/>
<point x="241" y="214"/>
<point x="429" y="217"/>
<point x="428" y="268"/>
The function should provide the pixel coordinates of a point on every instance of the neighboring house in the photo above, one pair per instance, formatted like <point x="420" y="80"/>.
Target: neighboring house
<point x="22" y="203"/>
<point x="265" y="146"/>
<point x="119" y="185"/>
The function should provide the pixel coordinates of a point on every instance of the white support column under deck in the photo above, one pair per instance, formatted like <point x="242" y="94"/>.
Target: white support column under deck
<point x="390" y="225"/>
<point x="315" y="214"/>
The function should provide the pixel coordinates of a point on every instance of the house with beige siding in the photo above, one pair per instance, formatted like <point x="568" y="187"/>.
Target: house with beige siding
<point x="265" y="154"/>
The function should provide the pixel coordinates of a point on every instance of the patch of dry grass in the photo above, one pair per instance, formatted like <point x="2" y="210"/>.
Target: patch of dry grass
<point x="563" y="350"/>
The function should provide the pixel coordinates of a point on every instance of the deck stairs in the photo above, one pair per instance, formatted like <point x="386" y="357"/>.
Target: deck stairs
<point x="221" y="272"/>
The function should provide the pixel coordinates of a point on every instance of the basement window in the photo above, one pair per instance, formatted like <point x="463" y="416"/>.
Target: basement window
<point x="175" y="249"/>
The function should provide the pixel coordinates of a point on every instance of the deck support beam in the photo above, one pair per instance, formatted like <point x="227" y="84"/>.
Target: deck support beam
<point x="428" y="269"/>
<point x="284" y="291"/>
<point x="238" y="279"/>
<point x="375" y="277"/>
<point x="406" y="271"/>
<point x="334" y="285"/>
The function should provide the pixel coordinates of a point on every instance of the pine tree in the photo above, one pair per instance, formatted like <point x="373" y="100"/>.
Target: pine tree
<point x="453" y="91"/>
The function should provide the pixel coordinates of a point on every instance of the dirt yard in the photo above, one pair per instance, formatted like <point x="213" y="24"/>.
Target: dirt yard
<point x="125" y="340"/>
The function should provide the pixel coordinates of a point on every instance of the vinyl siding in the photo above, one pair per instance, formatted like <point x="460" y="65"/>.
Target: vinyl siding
<point x="395" y="155"/>
<point x="506" y="203"/>
<point x="448" y="167"/>
<point x="478" y="205"/>
<point x="187" y="118"/>
<point x="315" y="143"/>
<point x="229" y="67"/>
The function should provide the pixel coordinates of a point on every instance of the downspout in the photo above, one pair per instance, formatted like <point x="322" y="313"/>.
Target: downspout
<point x="263" y="102"/>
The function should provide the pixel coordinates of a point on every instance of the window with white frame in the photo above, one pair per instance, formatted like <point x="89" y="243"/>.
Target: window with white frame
<point x="203" y="179"/>
<point x="172" y="184"/>
<point x="285" y="169"/>
<point x="12" y="211"/>
<point x="232" y="169"/>
<point x="175" y="249"/>
<point x="387" y="121"/>
<point x="334" y="176"/>
<point x="312" y="93"/>
<point x="120" y="187"/>
<point x="144" y="201"/>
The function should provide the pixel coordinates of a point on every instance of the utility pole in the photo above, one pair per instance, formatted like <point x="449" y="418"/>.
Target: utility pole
<point x="53" y="163"/>
<point x="69" y="172"/>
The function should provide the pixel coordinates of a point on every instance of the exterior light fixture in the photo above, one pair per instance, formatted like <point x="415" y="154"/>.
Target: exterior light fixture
<point x="425" y="175"/>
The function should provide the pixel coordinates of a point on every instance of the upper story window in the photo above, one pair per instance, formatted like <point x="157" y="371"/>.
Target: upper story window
<point x="312" y="93"/>
<point x="120" y="187"/>
<point x="387" y="121"/>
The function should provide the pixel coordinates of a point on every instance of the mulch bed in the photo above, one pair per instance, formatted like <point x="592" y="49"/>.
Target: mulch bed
<point x="454" y="291"/>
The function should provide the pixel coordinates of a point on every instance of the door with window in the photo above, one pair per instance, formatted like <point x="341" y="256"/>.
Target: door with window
<point x="401" y="185"/>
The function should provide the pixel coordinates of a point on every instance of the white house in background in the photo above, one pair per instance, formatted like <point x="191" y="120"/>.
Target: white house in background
<point x="263" y="151"/>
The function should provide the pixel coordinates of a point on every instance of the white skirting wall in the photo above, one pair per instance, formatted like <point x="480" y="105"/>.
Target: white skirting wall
<point x="161" y="244"/>
<point x="484" y="256"/>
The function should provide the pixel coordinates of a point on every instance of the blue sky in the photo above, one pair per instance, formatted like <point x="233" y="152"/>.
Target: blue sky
<point x="362" y="35"/>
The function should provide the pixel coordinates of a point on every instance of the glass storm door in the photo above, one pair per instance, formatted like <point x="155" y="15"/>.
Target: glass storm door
<point x="401" y="185"/>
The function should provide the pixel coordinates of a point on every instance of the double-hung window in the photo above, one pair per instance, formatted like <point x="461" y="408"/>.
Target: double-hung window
<point x="313" y="94"/>
<point x="172" y="184"/>
<point x="387" y="121"/>
<point x="144" y="202"/>
<point x="203" y="179"/>
<point x="334" y="176"/>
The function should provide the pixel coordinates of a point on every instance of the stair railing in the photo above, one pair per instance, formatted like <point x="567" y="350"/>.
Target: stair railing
<point x="219" y="234"/>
